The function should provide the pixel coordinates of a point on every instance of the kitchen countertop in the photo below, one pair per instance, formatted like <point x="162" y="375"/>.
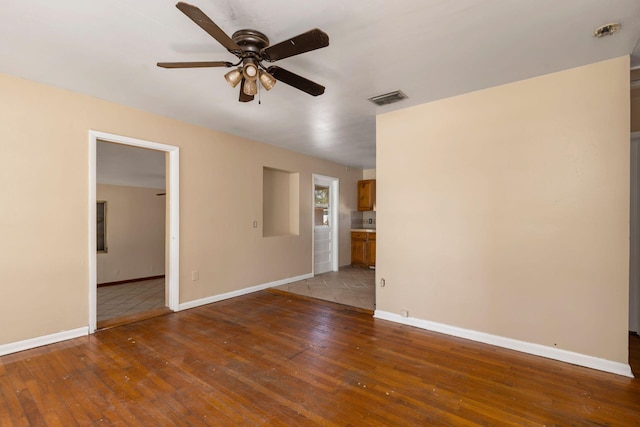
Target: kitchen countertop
<point x="365" y="230"/>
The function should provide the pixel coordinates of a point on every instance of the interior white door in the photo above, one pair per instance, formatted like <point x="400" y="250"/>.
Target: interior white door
<point x="322" y="248"/>
<point x="324" y="220"/>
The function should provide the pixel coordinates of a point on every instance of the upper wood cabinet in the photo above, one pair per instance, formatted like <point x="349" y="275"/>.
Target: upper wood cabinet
<point x="367" y="195"/>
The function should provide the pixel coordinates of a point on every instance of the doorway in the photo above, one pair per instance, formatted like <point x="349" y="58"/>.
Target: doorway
<point x="634" y="249"/>
<point x="325" y="224"/>
<point x="171" y="238"/>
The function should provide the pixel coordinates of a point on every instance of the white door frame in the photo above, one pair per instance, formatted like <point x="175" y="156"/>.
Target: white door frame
<point x="334" y="202"/>
<point x="173" y="192"/>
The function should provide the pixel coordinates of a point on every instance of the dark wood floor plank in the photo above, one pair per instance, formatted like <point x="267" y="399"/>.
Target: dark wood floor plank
<point x="202" y="372"/>
<point x="185" y="367"/>
<point x="10" y="407"/>
<point x="276" y="359"/>
<point x="44" y="376"/>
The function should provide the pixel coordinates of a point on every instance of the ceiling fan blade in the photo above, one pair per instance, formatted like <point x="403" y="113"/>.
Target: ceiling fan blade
<point x="194" y="64"/>
<point x="199" y="17"/>
<point x="305" y="42"/>
<point x="296" y="81"/>
<point x="243" y="96"/>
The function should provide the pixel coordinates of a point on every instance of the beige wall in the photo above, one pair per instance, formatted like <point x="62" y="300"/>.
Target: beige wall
<point x="281" y="201"/>
<point x="44" y="170"/>
<point x="135" y="233"/>
<point x="506" y="211"/>
<point x="369" y="174"/>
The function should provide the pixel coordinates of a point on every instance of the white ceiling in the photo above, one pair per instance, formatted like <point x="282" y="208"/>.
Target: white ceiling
<point x="430" y="49"/>
<point x="119" y="164"/>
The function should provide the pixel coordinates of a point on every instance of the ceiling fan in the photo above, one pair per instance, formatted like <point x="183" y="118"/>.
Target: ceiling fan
<point x="252" y="49"/>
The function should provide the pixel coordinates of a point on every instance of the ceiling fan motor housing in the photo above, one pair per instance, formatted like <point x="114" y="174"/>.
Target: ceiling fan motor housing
<point x="251" y="41"/>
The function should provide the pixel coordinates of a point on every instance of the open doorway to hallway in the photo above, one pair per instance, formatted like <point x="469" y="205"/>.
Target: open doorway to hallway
<point x="131" y="224"/>
<point x="133" y="229"/>
<point x="634" y="249"/>
<point x="634" y="252"/>
<point x="326" y="198"/>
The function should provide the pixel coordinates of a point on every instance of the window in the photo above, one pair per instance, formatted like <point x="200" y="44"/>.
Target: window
<point x="101" y="216"/>
<point x="321" y="205"/>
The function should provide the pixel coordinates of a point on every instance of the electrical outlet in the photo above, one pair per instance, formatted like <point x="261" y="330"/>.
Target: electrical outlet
<point x="404" y="313"/>
<point x="195" y="275"/>
<point x="382" y="283"/>
<point x="255" y="224"/>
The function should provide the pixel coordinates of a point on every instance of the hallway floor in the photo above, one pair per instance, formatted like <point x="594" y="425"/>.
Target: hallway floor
<point x="350" y="286"/>
<point x="130" y="298"/>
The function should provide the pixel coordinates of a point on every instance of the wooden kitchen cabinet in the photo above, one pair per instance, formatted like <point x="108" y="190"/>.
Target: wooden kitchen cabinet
<point x="367" y="195"/>
<point x="358" y="248"/>
<point x="371" y="250"/>
<point x="363" y="248"/>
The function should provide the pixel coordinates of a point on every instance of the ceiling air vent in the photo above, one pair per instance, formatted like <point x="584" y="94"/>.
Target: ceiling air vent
<point x="388" y="98"/>
<point x="607" y="30"/>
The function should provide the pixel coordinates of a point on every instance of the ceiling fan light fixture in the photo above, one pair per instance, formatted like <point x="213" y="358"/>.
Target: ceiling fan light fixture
<point x="267" y="80"/>
<point x="251" y="48"/>
<point x="233" y="77"/>
<point x="250" y="71"/>
<point x="250" y="87"/>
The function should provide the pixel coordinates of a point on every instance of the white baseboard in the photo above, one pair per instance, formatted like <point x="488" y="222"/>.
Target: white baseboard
<point x="17" y="346"/>
<point x="233" y="294"/>
<point x="512" y="344"/>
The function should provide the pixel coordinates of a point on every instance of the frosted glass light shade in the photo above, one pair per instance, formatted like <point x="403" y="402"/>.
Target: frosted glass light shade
<point x="267" y="80"/>
<point x="233" y="77"/>
<point x="250" y="87"/>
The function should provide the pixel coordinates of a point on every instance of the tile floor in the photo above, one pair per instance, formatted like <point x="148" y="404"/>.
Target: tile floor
<point x="350" y="286"/>
<point x="130" y="298"/>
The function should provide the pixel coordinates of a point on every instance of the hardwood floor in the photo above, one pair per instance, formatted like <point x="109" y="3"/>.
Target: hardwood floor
<point x="274" y="359"/>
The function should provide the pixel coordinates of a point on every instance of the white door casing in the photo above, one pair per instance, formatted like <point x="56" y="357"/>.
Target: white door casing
<point x="325" y="237"/>
<point x="173" y="193"/>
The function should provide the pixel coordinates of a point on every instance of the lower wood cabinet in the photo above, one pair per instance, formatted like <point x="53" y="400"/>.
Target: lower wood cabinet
<point x="363" y="248"/>
<point x="371" y="249"/>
